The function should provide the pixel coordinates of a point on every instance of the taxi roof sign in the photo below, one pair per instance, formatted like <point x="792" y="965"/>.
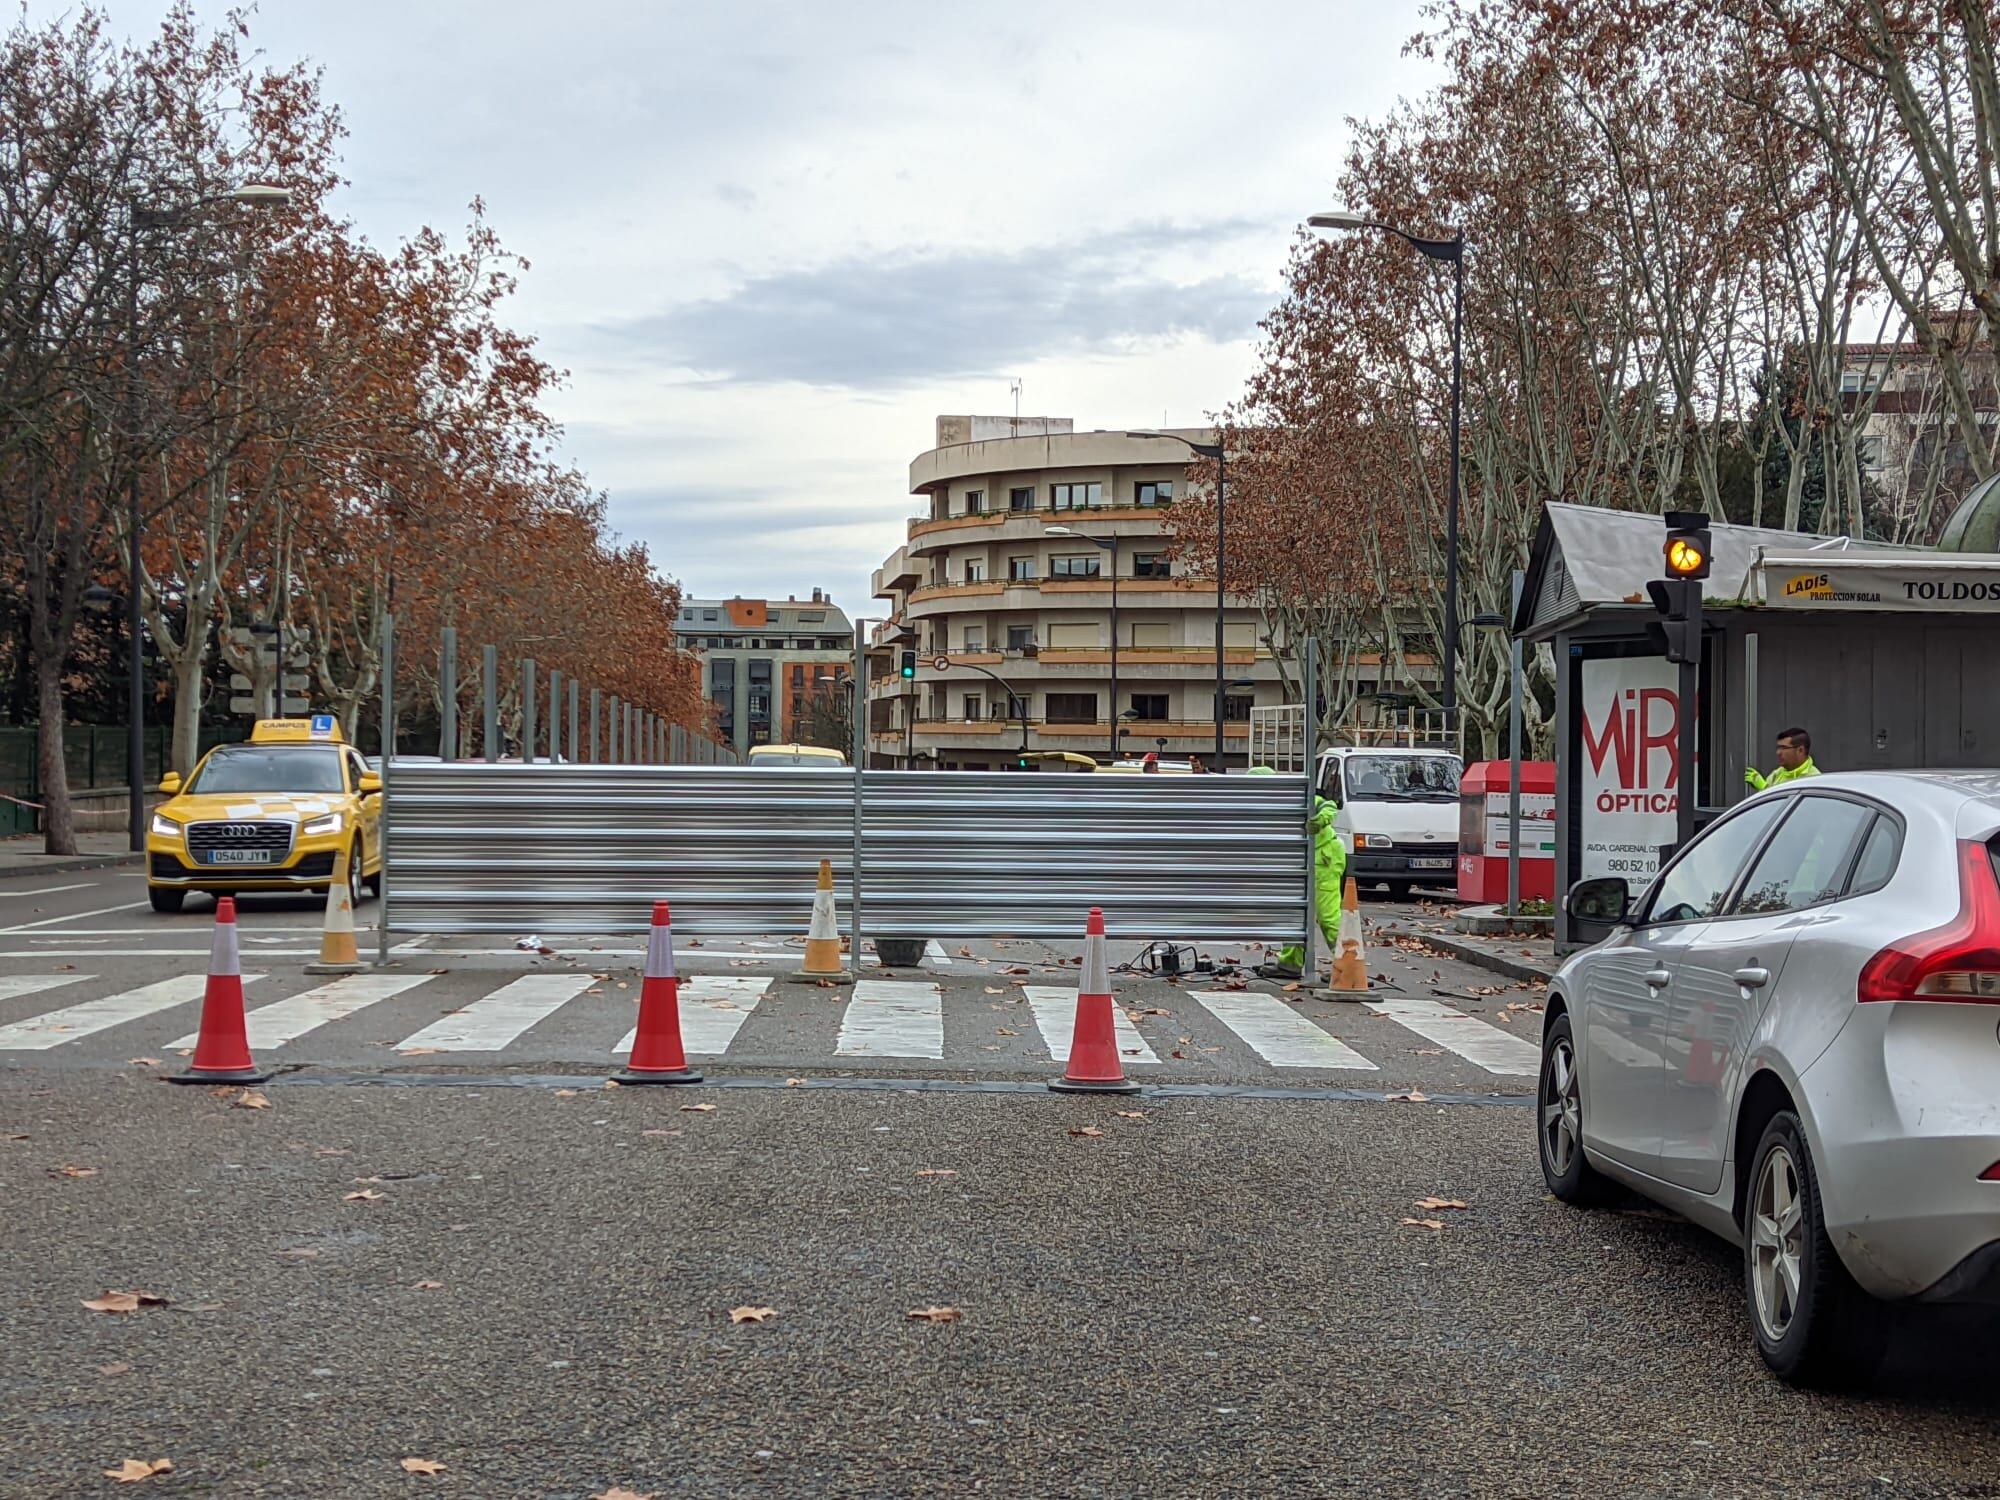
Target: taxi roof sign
<point x="319" y="729"/>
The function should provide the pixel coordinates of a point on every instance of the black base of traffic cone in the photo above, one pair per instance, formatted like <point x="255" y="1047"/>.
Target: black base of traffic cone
<point x="220" y="1075"/>
<point x="1072" y="1086"/>
<point x="681" y="1075"/>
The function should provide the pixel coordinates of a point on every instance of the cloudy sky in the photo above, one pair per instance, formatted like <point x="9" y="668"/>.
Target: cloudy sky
<point x="771" y="242"/>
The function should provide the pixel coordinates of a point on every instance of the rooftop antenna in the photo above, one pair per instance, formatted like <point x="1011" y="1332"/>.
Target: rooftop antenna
<point x="1014" y="385"/>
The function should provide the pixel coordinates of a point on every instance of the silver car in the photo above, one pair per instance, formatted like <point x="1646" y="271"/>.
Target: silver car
<point x="1790" y="1037"/>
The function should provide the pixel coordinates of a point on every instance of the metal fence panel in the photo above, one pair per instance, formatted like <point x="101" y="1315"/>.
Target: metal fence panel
<point x="519" y="849"/>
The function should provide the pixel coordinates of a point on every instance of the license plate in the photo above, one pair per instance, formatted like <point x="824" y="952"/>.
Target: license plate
<point x="239" y="856"/>
<point x="1431" y="864"/>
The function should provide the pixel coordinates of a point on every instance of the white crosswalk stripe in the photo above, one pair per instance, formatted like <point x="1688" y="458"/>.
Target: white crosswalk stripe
<point x="1277" y="1033"/>
<point x="713" y="1009"/>
<point x="39" y="1033"/>
<point x="1486" y="1046"/>
<point x="33" y="984"/>
<point x="892" y="1018"/>
<point x="1055" y="1014"/>
<point x="488" y="1025"/>
<point x="289" y="1019"/>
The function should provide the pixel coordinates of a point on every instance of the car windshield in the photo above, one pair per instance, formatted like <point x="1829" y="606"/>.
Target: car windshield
<point x="270" y="768"/>
<point x="1402" y="778"/>
<point x="800" y="758"/>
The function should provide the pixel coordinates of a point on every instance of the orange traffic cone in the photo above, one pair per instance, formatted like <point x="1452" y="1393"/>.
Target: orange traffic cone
<point x="1094" y="1065"/>
<point x="337" y="953"/>
<point x="822" y="942"/>
<point x="656" y="1046"/>
<point x="222" y="1049"/>
<point x="1350" y="964"/>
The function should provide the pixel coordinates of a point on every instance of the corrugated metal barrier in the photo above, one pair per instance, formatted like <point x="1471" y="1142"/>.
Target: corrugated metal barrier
<point x="517" y="849"/>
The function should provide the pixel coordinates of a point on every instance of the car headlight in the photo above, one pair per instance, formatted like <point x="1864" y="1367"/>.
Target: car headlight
<point x="1377" y="841"/>
<point x="166" y="827"/>
<point x="331" y="823"/>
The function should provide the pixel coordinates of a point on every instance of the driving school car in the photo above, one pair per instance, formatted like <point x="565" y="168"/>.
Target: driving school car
<point x="272" y="814"/>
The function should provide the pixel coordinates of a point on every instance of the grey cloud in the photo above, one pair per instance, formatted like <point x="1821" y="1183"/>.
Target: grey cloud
<point x="893" y="321"/>
<point x="727" y="539"/>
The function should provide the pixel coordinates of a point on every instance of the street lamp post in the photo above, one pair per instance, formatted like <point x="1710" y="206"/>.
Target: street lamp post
<point x="255" y="194"/>
<point x="1216" y="452"/>
<point x="1452" y="252"/>
<point x="1108" y="544"/>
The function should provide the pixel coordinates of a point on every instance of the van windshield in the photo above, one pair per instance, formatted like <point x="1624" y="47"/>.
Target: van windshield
<point x="1402" y="778"/>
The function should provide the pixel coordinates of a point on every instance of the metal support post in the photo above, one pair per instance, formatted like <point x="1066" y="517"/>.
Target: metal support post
<point x="528" y="711"/>
<point x="611" y="725"/>
<point x="555" y="714"/>
<point x="448" y="694"/>
<point x="596" y="712"/>
<point x="574" y="754"/>
<point x="1514" y="753"/>
<point x="1309" y="744"/>
<point x="1689" y="692"/>
<point x="489" y="675"/>
<point x="388" y="756"/>
<point x="858" y="686"/>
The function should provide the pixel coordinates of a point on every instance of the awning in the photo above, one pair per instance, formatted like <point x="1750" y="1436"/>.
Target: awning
<point x="1906" y="581"/>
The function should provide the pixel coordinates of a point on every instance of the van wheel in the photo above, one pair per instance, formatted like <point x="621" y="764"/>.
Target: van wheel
<point x="1399" y="890"/>
<point x="165" y="900"/>
<point x="1814" y="1325"/>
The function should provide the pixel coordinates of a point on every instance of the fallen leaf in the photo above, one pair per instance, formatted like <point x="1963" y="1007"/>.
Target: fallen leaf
<point x="428" y="1286"/>
<point x="619" y="1492"/>
<point x="748" y="1314"/>
<point x="1131" y="1114"/>
<point x="417" y="1051"/>
<point x="251" y="1099"/>
<point x="934" y="1314"/>
<point x="697" y="1109"/>
<point x="1086" y="1130"/>
<point x="565" y="1093"/>
<point x="14" y="1135"/>
<point x="994" y="989"/>
<point x="66" y="1170"/>
<point x="1425" y="1223"/>
<point x="965" y="953"/>
<point x="121" y="1368"/>
<point x="423" y="1465"/>
<point x="612" y="1083"/>
<point x="124" y="1302"/>
<point x="366" y="1195"/>
<point x="1435" y="1204"/>
<point x="1003" y="1031"/>
<point x="144" y="1062"/>
<point x="1017" y="969"/>
<point x="132" y="1470"/>
<point x="937" y="1171"/>
<point x="1293" y="986"/>
<point x="1414" y="1096"/>
<point x="795" y="1083"/>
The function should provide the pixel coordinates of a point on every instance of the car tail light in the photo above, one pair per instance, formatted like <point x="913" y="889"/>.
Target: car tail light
<point x="1958" y="961"/>
<point x="1991" y="1174"/>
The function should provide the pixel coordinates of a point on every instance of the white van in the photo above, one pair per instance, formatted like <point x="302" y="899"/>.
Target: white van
<point x="1398" y="812"/>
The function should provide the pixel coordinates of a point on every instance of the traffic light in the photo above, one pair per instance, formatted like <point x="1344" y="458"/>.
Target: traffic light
<point x="1688" y="547"/>
<point x="1676" y="635"/>
<point x="909" y="665"/>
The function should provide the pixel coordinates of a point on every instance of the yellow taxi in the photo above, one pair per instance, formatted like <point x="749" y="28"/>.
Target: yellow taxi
<point x="271" y="814"/>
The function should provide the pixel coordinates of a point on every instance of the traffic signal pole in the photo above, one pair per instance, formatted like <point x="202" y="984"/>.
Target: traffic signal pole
<point x="1689" y="692"/>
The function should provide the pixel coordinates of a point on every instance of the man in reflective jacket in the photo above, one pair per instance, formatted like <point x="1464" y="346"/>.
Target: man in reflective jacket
<point x="1794" y="761"/>
<point x="1329" y="876"/>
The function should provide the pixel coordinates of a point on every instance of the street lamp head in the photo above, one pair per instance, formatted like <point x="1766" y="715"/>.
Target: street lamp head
<point x="260" y="195"/>
<point x="1338" y="218"/>
<point x="1489" y="622"/>
<point x="1057" y="531"/>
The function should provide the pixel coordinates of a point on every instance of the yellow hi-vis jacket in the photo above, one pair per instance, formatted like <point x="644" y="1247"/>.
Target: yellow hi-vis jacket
<point x="1779" y="777"/>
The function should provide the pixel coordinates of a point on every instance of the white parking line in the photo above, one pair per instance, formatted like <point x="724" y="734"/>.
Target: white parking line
<point x="49" y="890"/>
<point x="1488" y="1046"/>
<point x="39" y="1033"/>
<point x="289" y="1019"/>
<point x="892" y="1018"/>
<point x="201" y="953"/>
<point x="489" y="1024"/>
<point x="1279" y="1034"/>
<point x="713" y="1009"/>
<point x="30" y="984"/>
<point x="1055" y="1015"/>
<point x="102" y="911"/>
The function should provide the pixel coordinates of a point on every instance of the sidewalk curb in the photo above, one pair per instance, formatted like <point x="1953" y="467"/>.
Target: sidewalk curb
<point x="66" y="864"/>
<point x="1472" y="953"/>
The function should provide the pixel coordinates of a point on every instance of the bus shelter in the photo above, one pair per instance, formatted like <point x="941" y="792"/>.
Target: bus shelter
<point x="1885" y="655"/>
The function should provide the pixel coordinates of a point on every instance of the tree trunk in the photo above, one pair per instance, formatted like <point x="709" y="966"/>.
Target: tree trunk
<point x="187" y="709"/>
<point x="58" y="818"/>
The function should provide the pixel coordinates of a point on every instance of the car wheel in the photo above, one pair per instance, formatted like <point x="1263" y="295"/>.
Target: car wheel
<point x="354" y="874"/>
<point x="375" y="883"/>
<point x="165" y="900"/>
<point x="1814" y="1325"/>
<point x="1559" y="1123"/>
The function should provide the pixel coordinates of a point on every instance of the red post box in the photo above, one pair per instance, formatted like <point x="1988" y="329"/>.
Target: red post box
<point x="1482" y="831"/>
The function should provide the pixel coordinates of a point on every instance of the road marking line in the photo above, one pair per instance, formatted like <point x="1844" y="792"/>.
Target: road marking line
<point x="50" y="890"/>
<point x="892" y="1018"/>
<point x="1488" y="1046"/>
<point x="12" y="985"/>
<point x="1277" y="1033"/>
<point x="102" y="911"/>
<point x="713" y="1009"/>
<point x="1055" y="1014"/>
<point x="201" y="953"/>
<point x="287" y="1020"/>
<point x="934" y="951"/>
<point x="39" y="1033"/>
<point x="489" y="1024"/>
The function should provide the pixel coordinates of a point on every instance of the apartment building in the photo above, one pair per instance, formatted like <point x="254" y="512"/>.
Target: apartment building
<point x="764" y="660"/>
<point x="1007" y="580"/>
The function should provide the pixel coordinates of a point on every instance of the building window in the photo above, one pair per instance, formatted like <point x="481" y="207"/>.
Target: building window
<point x="1021" y="568"/>
<point x="1239" y="633"/>
<point x="1020" y="637"/>
<point x="1074" y="636"/>
<point x="1152" y="633"/>
<point x="1153" y="492"/>
<point x="974" y="706"/>
<point x="1150" y="706"/>
<point x="1021" y="497"/>
<point x="975" y="638"/>
<point x="975" y="570"/>
<point x="1071" y="708"/>
<point x="1236" y="707"/>
<point x="975" y="502"/>
<point x="1151" y="565"/>
<point x="1076" y="496"/>
<point x="1013" y="708"/>
<point x="1073" y="567"/>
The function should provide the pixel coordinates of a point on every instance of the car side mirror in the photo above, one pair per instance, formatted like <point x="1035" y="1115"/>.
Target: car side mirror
<point x="1604" y="899"/>
<point x="371" y="783"/>
<point x="170" y="783"/>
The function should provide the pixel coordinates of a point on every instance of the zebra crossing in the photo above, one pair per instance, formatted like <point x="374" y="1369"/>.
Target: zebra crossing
<point x="570" y="1015"/>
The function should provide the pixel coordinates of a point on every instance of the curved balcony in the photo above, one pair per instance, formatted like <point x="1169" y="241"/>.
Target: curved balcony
<point x="929" y="535"/>
<point x="937" y="599"/>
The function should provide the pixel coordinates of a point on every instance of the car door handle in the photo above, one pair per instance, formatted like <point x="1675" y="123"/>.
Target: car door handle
<point x="1753" y="978"/>
<point x="1656" y="979"/>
